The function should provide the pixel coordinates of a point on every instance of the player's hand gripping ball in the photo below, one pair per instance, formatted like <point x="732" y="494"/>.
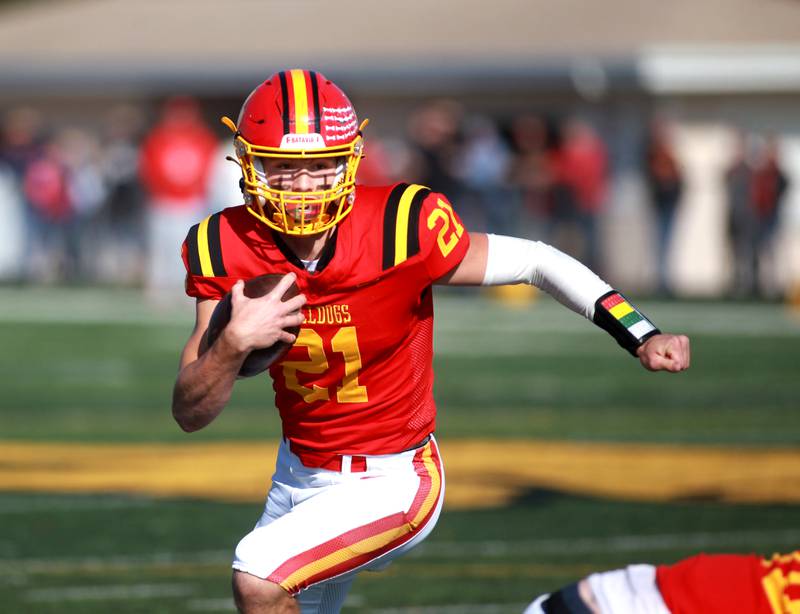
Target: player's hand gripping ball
<point x="258" y="360"/>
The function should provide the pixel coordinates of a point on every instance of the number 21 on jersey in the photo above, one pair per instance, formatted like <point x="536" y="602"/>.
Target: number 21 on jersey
<point x="344" y="342"/>
<point x="448" y="237"/>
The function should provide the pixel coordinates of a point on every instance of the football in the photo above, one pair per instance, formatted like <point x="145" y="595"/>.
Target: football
<point x="258" y="360"/>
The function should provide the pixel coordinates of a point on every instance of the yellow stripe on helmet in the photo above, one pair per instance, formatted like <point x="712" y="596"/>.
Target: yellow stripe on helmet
<point x="300" y="101"/>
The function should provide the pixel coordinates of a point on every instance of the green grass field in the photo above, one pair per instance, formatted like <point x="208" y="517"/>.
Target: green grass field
<point x="92" y="366"/>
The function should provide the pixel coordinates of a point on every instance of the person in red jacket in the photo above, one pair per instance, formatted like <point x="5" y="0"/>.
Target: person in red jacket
<point x="175" y="162"/>
<point x="700" y="584"/>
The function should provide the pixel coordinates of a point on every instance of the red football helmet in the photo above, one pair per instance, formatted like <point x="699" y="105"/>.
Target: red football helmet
<point x="298" y="114"/>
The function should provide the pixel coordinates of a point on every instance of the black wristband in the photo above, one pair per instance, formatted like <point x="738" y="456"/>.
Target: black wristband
<point x="622" y="320"/>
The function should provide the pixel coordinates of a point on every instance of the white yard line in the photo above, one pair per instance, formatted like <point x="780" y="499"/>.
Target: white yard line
<point x="109" y="592"/>
<point x="23" y="505"/>
<point x="116" y="562"/>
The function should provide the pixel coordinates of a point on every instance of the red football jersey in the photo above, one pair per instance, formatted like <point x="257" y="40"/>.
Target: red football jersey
<point x="725" y="583"/>
<point x="359" y="379"/>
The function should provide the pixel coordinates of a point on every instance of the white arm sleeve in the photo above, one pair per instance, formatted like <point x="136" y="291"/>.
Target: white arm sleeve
<point x="512" y="261"/>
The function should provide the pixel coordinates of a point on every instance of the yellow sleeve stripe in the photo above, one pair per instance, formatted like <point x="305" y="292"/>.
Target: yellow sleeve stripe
<point x="401" y="228"/>
<point x="202" y="248"/>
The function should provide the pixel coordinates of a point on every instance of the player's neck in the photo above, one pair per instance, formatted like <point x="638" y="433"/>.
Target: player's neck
<point x="308" y="248"/>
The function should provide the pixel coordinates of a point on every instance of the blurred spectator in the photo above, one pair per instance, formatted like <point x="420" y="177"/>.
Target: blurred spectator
<point x="665" y="185"/>
<point x="769" y="187"/>
<point x="375" y="166"/>
<point x="579" y="186"/>
<point x="529" y="173"/>
<point x="399" y="158"/>
<point x="12" y="231"/>
<point x="123" y="216"/>
<point x="483" y="167"/>
<point x="741" y="219"/>
<point x="52" y="252"/>
<point x="175" y="164"/>
<point x="223" y="180"/>
<point x="86" y="192"/>
<point x="21" y="139"/>
<point x="435" y="133"/>
<point x="19" y="146"/>
<point x="755" y="187"/>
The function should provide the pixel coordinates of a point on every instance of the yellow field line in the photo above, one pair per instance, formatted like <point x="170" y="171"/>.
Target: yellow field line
<point x="479" y="473"/>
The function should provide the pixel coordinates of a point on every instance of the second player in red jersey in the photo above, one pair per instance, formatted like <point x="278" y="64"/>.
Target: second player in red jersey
<point x="722" y="583"/>
<point x="699" y="584"/>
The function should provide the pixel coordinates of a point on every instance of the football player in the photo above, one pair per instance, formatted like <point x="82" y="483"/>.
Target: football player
<point x="359" y="479"/>
<point x="701" y="584"/>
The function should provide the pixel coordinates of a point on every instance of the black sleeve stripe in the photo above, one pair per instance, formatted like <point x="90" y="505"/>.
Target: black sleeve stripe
<point x="389" y="224"/>
<point x="195" y="268"/>
<point x="413" y="221"/>
<point x="215" y="246"/>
